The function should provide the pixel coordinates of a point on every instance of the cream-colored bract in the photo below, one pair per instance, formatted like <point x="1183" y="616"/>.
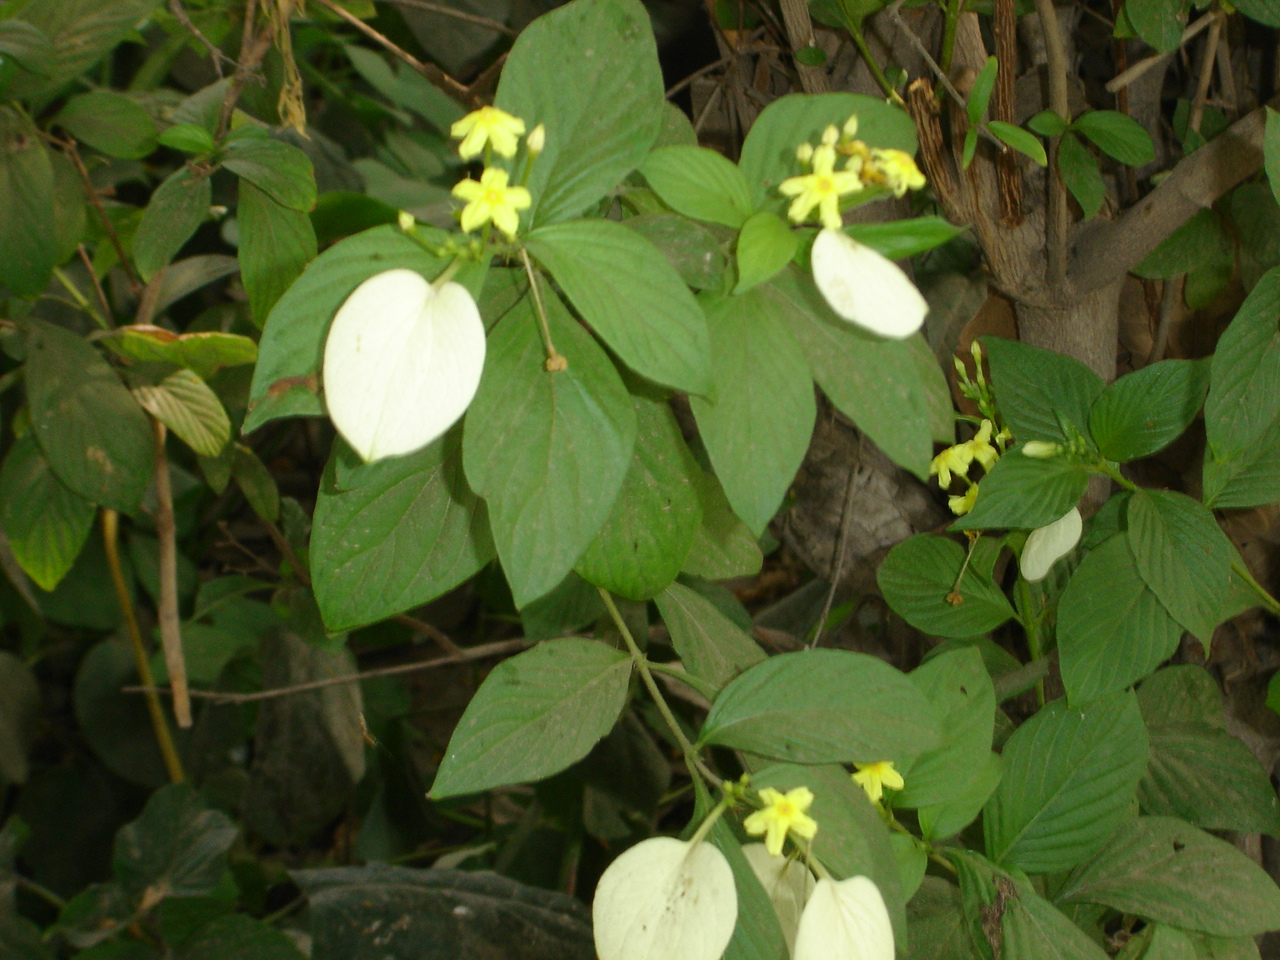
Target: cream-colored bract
<point x="787" y="881"/>
<point x="1049" y="544"/>
<point x="865" y="288"/>
<point x="402" y="362"/>
<point x="665" y="899"/>
<point x="845" y="920"/>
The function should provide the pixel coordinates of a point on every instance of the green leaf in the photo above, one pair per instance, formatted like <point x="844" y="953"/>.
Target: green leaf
<point x="405" y="87"/>
<point x="1018" y="139"/>
<point x="723" y="547"/>
<point x="589" y="71"/>
<point x="980" y="93"/>
<point x="769" y="151"/>
<point x="710" y="645"/>
<point x="176" y="848"/>
<point x="1069" y="777"/>
<point x="939" y="821"/>
<point x="970" y="148"/>
<point x="631" y="296"/>
<point x="177" y="208"/>
<point x="280" y="170"/>
<point x="823" y="706"/>
<point x="1244" y="391"/>
<point x="239" y="937"/>
<point x="46" y="522"/>
<point x="1183" y="556"/>
<point x="1112" y="630"/>
<point x="918" y="580"/>
<point x="1144" y="411"/>
<point x="1032" y="928"/>
<point x="1164" y="869"/>
<point x="1201" y="240"/>
<point x="1080" y="173"/>
<point x="889" y="388"/>
<point x="26" y="198"/>
<point x="110" y="122"/>
<point x="1246" y="478"/>
<point x="286" y="381"/>
<point x="1158" y="22"/>
<point x="186" y="405"/>
<point x="758" y="427"/>
<point x="203" y="352"/>
<point x="699" y="183"/>
<point x="904" y="238"/>
<point x="757" y="935"/>
<point x="1271" y="151"/>
<point x="960" y="689"/>
<point x="411" y="533"/>
<point x="27" y="45"/>
<point x="256" y="483"/>
<point x="688" y="246"/>
<point x="1264" y="11"/>
<point x="276" y="244"/>
<point x="1181" y="694"/>
<point x="534" y="715"/>
<point x="766" y="244"/>
<point x="93" y="433"/>
<point x="1117" y="135"/>
<point x="189" y="138"/>
<point x="643" y="544"/>
<point x="1047" y="124"/>
<point x="1037" y="390"/>
<point x="1025" y="492"/>
<point x="548" y="451"/>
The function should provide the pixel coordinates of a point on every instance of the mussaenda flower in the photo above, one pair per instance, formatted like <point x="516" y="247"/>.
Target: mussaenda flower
<point x="845" y="920"/>
<point x="782" y="813"/>
<point x="487" y="126"/>
<point x="822" y="188"/>
<point x="874" y="777"/>
<point x="788" y="884"/>
<point x="490" y="199"/>
<point x="864" y="287"/>
<point x="1049" y="544"/>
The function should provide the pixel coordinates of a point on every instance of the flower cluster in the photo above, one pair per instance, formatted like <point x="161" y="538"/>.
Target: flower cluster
<point x="954" y="462"/>
<point x="492" y="199"/>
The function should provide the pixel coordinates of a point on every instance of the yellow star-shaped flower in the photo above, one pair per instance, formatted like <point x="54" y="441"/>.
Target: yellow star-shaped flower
<point x="897" y="170"/>
<point x="953" y="460"/>
<point x="490" y="126"/>
<point x="782" y="813"/>
<point x="980" y="446"/>
<point x="874" y="777"/>
<point x="822" y="188"/>
<point x="490" y="199"/>
<point x="963" y="504"/>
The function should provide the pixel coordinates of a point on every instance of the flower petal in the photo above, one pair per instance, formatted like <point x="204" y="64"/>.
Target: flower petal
<point x="664" y="899"/>
<point x="788" y="883"/>
<point x="401" y="363"/>
<point x="865" y="288"/>
<point x="1049" y="544"/>
<point x="845" y="920"/>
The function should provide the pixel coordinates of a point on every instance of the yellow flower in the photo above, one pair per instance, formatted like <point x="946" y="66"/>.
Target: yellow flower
<point x="951" y="460"/>
<point x="822" y="188"/>
<point x="490" y="199"/>
<point x="981" y="448"/>
<point x="897" y="170"/>
<point x="488" y="125"/>
<point x="963" y="504"/>
<point x="782" y="813"/>
<point x="874" y="777"/>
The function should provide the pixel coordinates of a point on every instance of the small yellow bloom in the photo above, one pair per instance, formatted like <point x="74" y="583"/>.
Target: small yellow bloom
<point x="953" y="460"/>
<point x="490" y="199"/>
<point x="822" y="188"/>
<point x="897" y="170"/>
<point x="874" y="777"/>
<point x="981" y="448"/>
<point x="782" y="813"/>
<point x="963" y="504"/>
<point x="488" y="125"/>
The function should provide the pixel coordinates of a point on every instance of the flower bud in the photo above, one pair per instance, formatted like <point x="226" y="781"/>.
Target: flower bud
<point x="536" y="140"/>
<point x="1041" y="449"/>
<point x="406" y="221"/>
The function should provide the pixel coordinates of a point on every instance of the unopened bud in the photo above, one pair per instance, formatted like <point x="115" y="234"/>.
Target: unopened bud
<point x="804" y="153"/>
<point x="1041" y="449"/>
<point x="851" y="127"/>
<point x="536" y="140"/>
<point x="830" y="135"/>
<point x="406" y="222"/>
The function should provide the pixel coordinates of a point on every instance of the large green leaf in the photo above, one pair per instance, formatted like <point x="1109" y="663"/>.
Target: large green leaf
<point x="1117" y="135"/>
<point x="643" y="544"/>
<point x="1039" y="392"/>
<point x="823" y="706"/>
<point x="881" y="385"/>
<point x="918" y="580"/>
<point x="769" y="152"/>
<point x="1264" y="11"/>
<point x="710" y="645"/>
<point x="239" y="937"/>
<point x="1158" y="22"/>
<point x="1026" y="492"/>
<point x="1069" y="777"/>
<point x="188" y="406"/>
<point x="757" y="429"/>
<point x="81" y="31"/>
<point x="757" y="935"/>
<point x="632" y="297"/>
<point x="1183" y="556"/>
<point x="45" y="521"/>
<point x="1079" y="169"/>
<point x="1032" y="928"/>
<point x="534" y="715"/>
<point x="110" y="122"/>
<point x="548" y="451"/>
<point x="176" y="848"/>
<point x="699" y="183"/>
<point x="690" y="247"/>
<point x="203" y="352"/>
<point x="1112" y="630"/>
<point x="93" y="433"/>
<point x="177" y="208"/>
<point x="942" y="820"/>
<point x="27" y="45"/>
<point x="27" y="233"/>
<point x="1145" y="411"/>
<point x="766" y="244"/>
<point x="276" y="244"/>
<point x="411" y="533"/>
<point x="1244" y="392"/>
<point x="723" y="546"/>
<point x="1245" y="478"/>
<point x="1164" y="869"/>
<point x="280" y="170"/>
<point x="588" y="71"/>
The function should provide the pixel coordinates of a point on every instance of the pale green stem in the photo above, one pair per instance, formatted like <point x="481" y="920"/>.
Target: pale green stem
<point x="855" y="31"/>
<point x="701" y="686"/>
<point x="1268" y="601"/>
<point x="81" y="300"/>
<point x="555" y="360"/>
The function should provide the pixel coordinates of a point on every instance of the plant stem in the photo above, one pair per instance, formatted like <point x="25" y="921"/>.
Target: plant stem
<point x="701" y="686"/>
<point x="81" y="300"/>
<point x="555" y="360"/>
<point x="167" y="602"/>
<point x="110" y="539"/>
<point x="855" y="31"/>
<point x="642" y="665"/>
<point x="1268" y="601"/>
<point x="1056" y="213"/>
<point x="1031" y="623"/>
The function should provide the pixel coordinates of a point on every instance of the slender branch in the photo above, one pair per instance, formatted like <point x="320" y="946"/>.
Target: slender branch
<point x="159" y="725"/>
<point x="842" y="545"/>
<point x="1168" y="306"/>
<point x="91" y="192"/>
<point x="216" y="55"/>
<point x="427" y="630"/>
<point x="167" y="603"/>
<point x="496" y="26"/>
<point x="1123" y="79"/>
<point x="1206" y="74"/>
<point x="555" y="360"/>
<point x="1055" y="230"/>
<point x="97" y="286"/>
<point x="252" y="50"/>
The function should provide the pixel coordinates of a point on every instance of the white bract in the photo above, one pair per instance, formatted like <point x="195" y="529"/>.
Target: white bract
<point x="1047" y="545"/>
<point x="402" y="362"/>
<point x="788" y="883"/>
<point x="865" y="288"/>
<point x="845" y="920"/>
<point x="665" y="899"/>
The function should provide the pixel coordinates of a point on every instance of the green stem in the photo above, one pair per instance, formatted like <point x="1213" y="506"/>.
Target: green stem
<point x="1031" y="623"/>
<point x="1113" y="473"/>
<point x="705" y="826"/>
<point x="855" y="31"/>
<point x="555" y="360"/>
<point x="642" y="665"/>
<point x="954" y="9"/>
<point x="701" y="686"/>
<point x="447" y="273"/>
<point x="1268" y="601"/>
<point x="81" y="300"/>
